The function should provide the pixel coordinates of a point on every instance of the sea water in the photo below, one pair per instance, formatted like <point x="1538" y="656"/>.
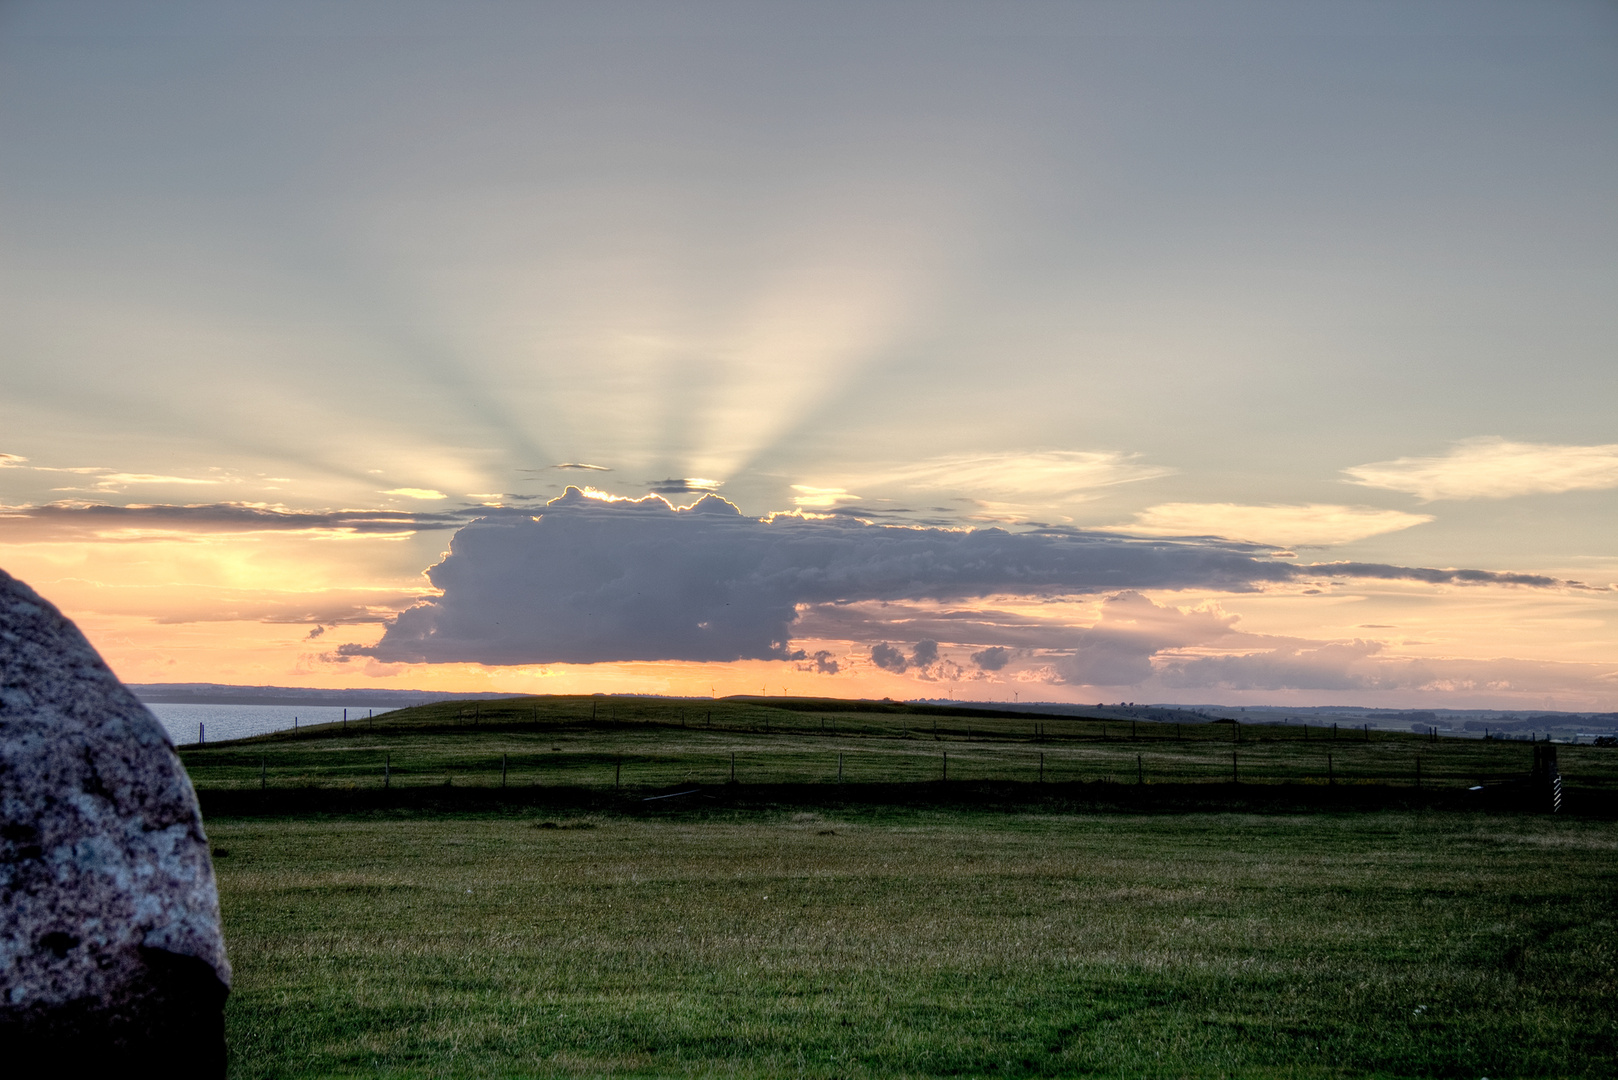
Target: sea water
<point x="220" y="722"/>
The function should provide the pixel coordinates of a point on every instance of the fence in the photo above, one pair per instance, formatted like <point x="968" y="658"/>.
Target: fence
<point x="1394" y="764"/>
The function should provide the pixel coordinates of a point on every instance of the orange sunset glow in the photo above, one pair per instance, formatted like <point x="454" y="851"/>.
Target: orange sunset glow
<point x="1106" y="364"/>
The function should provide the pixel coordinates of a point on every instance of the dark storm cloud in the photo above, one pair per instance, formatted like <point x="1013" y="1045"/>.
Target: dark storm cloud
<point x="592" y="580"/>
<point x="925" y="654"/>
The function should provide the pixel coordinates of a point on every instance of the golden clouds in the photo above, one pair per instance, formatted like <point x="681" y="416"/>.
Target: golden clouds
<point x="1492" y="468"/>
<point x="1312" y="524"/>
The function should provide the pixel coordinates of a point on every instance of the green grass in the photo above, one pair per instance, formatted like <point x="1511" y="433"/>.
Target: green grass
<point x="909" y="943"/>
<point x="782" y="927"/>
<point x="657" y="744"/>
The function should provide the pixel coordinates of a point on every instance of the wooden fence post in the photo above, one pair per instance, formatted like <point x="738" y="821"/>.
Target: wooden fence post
<point x="839" y="768"/>
<point x="263" y="775"/>
<point x="945" y="775"/>
<point x="618" y="772"/>
<point x="502" y="770"/>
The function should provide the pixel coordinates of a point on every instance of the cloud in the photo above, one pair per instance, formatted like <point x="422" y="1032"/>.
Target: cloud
<point x="1005" y="486"/>
<point x="75" y="520"/>
<point x="580" y="465"/>
<point x="1363" y="667"/>
<point x="109" y="480"/>
<point x="122" y="478"/>
<point x="166" y="606"/>
<point x="1492" y="468"/>
<point x="808" y="497"/>
<point x="595" y="579"/>
<point x="993" y="658"/>
<point x="1312" y="524"/>
<point x="1154" y="647"/>
<point x="1336" y="665"/>
<point x="1053" y="475"/>
<point x="924" y="657"/>
<point x="416" y="493"/>
<point x="821" y="662"/>
<point x="1433" y="576"/>
<point x="689" y="485"/>
<point x="888" y="658"/>
<point x="1118" y="649"/>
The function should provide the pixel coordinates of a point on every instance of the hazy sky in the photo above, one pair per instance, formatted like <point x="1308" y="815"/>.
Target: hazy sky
<point x="1188" y="301"/>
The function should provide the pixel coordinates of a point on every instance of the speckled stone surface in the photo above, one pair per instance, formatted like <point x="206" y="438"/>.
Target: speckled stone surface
<point x="110" y="946"/>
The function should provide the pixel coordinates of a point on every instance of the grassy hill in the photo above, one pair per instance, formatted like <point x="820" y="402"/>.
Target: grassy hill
<point x="818" y="749"/>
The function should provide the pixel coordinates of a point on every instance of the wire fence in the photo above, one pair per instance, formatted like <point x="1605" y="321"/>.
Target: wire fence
<point x="632" y="768"/>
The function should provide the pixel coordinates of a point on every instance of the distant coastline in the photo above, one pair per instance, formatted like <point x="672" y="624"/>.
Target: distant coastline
<point x="224" y="694"/>
<point x="1470" y="720"/>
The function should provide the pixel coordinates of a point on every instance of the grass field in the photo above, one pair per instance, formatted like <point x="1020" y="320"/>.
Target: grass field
<point x="606" y="743"/>
<point x="694" y="938"/>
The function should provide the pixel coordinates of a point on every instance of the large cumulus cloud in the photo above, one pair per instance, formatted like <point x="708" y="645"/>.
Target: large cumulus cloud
<point x="589" y="581"/>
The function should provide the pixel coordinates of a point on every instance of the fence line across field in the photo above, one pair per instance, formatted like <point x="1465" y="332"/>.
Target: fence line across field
<point x="614" y="768"/>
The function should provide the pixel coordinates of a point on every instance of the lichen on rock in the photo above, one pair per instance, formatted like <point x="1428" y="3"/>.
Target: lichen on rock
<point x="110" y="943"/>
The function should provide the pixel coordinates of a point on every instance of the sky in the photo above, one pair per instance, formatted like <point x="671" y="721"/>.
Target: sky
<point x="1252" y="353"/>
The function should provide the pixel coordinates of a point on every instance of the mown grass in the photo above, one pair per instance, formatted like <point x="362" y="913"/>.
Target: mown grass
<point x="760" y="929"/>
<point x="892" y="943"/>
